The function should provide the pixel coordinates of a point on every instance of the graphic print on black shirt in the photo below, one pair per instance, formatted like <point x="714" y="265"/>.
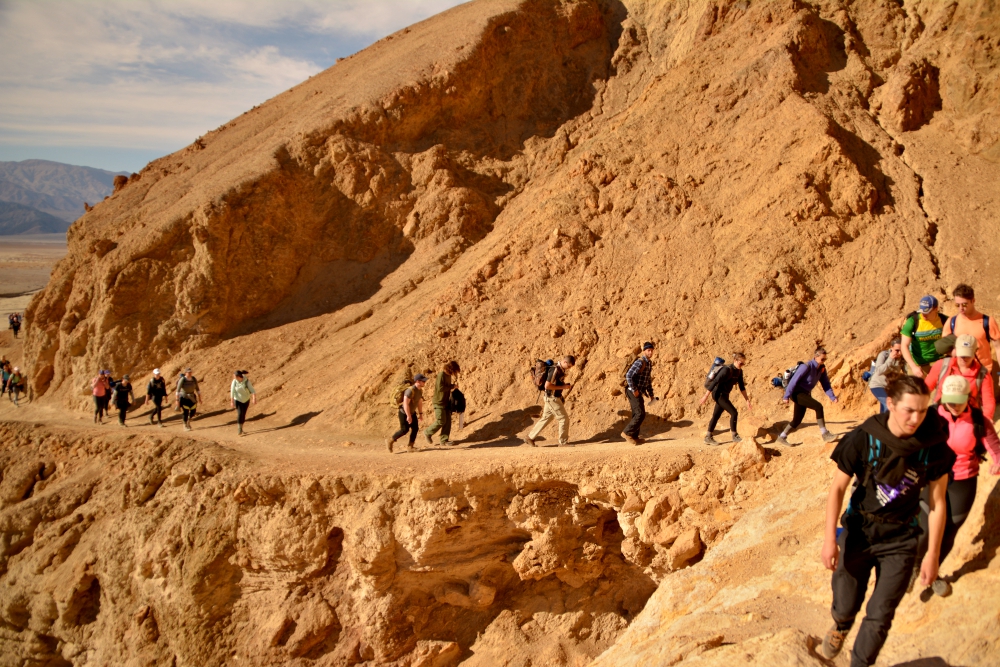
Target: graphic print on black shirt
<point x="888" y="508"/>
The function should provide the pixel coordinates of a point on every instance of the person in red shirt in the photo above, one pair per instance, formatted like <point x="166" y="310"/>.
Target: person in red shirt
<point x="965" y="364"/>
<point x="971" y="321"/>
<point x="970" y="436"/>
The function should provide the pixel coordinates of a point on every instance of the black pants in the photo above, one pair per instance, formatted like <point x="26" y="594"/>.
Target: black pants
<point x="157" y="411"/>
<point x="961" y="495"/>
<point x="723" y="404"/>
<point x="16" y="328"/>
<point x="100" y="406"/>
<point x="241" y="411"/>
<point x="802" y="402"/>
<point x="122" y="412"/>
<point x="405" y="427"/>
<point x="893" y="564"/>
<point x="188" y="407"/>
<point x="638" y="405"/>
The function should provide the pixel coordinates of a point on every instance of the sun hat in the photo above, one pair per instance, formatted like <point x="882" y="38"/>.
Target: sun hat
<point x="966" y="346"/>
<point x="955" y="389"/>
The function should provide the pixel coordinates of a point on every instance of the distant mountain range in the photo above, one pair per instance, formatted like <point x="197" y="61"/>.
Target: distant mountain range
<point x="39" y="196"/>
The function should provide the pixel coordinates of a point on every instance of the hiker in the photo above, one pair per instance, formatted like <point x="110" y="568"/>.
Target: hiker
<point x="101" y="389"/>
<point x="720" y="386"/>
<point x="188" y="396"/>
<point x="799" y="391"/>
<point x="241" y="392"/>
<point x="156" y="391"/>
<point x="893" y="455"/>
<point x="555" y="385"/>
<point x="15" y="385"/>
<point x="921" y="329"/>
<point x="887" y="364"/>
<point x="410" y="413"/>
<point x="971" y="321"/>
<point x="5" y="373"/>
<point x="965" y="364"/>
<point x="638" y="385"/>
<point x="123" y="398"/>
<point x="14" y="321"/>
<point x="971" y="433"/>
<point x="442" y="403"/>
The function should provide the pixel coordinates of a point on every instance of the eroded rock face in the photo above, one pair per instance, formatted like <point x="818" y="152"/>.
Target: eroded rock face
<point x="155" y="549"/>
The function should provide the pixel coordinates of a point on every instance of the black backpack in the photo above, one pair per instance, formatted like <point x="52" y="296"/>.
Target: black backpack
<point x="457" y="401"/>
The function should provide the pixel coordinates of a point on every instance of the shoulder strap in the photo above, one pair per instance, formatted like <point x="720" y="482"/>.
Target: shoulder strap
<point x="980" y="378"/>
<point x="954" y="320"/>
<point x="986" y="326"/>
<point x="945" y="362"/>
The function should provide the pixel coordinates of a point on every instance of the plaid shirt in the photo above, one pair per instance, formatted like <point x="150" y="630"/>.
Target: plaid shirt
<point x="640" y="377"/>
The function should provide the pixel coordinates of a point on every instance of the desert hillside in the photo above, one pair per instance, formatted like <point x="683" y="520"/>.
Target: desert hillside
<point x="509" y="180"/>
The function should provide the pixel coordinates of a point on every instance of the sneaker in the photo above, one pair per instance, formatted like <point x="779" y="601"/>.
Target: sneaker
<point x="161" y="425"/>
<point x="941" y="588"/>
<point x="737" y="438"/>
<point x="829" y="437"/>
<point x="239" y="430"/>
<point x="187" y="427"/>
<point x="709" y="440"/>
<point x="528" y="441"/>
<point x="833" y="642"/>
<point x="781" y="440"/>
<point x="388" y="444"/>
<point x="629" y="439"/>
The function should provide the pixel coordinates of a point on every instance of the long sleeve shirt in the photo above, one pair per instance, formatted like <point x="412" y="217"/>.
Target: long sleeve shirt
<point x="241" y="391"/>
<point x="883" y="364"/>
<point x="962" y="440"/>
<point x="639" y="377"/>
<point x="806" y="378"/>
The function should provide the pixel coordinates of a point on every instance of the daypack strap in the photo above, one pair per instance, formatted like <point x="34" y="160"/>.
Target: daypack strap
<point x="986" y="326"/>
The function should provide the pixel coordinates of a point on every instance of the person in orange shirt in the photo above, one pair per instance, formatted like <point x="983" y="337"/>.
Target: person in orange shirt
<point x="971" y="321"/>
<point x="965" y="364"/>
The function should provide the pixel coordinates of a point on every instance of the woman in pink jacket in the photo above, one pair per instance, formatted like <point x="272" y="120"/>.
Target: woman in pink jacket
<point x="970" y="435"/>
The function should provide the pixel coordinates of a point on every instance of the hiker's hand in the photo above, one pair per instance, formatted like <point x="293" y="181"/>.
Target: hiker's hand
<point x="833" y="400"/>
<point x="409" y="419"/>
<point x="785" y="401"/>
<point x="916" y="372"/>
<point x="703" y="399"/>
<point x="830" y="555"/>
<point x="995" y="468"/>
<point x="929" y="569"/>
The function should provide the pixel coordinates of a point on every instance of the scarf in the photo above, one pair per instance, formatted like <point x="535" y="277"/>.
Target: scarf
<point x="930" y="433"/>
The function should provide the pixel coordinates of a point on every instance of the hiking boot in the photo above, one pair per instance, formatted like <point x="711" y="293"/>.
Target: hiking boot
<point x="388" y="443"/>
<point x="829" y="437"/>
<point x="709" y="440"/>
<point x="640" y="441"/>
<point x="187" y="427"/>
<point x="528" y="441"/>
<point x="781" y="440"/>
<point x="736" y="437"/>
<point x="629" y="439"/>
<point x="833" y="642"/>
<point x="239" y="429"/>
<point x="161" y="425"/>
<point x="941" y="588"/>
<point x="428" y="439"/>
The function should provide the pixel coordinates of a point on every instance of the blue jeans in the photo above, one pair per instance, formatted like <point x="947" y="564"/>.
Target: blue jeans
<point x="879" y="393"/>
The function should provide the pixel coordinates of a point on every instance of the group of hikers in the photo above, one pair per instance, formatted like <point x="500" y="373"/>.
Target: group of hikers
<point x="187" y="395"/>
<point x="11" y="380"/>
<point x="14" y="321"/>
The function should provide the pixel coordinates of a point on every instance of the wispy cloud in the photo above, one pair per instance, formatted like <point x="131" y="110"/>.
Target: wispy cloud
<point x="155" y="75"/>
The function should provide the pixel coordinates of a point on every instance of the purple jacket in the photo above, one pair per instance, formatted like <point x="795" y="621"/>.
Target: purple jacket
<point x="806" y="378"/>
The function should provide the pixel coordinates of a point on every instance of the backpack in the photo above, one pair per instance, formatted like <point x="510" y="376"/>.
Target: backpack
<point x="979" y="429"/>
<point x="878" y="453"/>
<point x="789" y="373"/>
<point x="540" y="373"/>
<point x="986" y="325"/>
<point x="711" y="378"/>
<point x="980" y="377"/>
<point x="628" y="367"/>
<point x="396" y="395"/>
<point x="457" y="401"/>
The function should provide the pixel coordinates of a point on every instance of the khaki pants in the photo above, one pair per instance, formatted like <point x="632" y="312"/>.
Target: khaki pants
<point x="554" y="409"/>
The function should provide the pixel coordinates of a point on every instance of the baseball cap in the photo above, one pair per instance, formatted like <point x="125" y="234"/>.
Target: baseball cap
<point x="188" y="370"/>
<point x="156" y="371"/>
<point x="648" y="346"/>
<point x="126" y="377"/>
<point x="927" y="304"/>
<point x="966" y="346"/>
<point x="955" y="389"/>
<point x="420" y="377"/>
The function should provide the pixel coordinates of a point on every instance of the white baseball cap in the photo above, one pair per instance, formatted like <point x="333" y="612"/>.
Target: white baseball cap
<point x="156" y="371"/>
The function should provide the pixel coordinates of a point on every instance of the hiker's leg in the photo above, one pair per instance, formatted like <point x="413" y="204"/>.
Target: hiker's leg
<point x="543" y="421"/>
<point x="241" y="412"/>
<point x="97" y="408"/>
<point x="638" y="405"/>
<point x="728" y="406"/>
<point x="445" y="426"/>
<point x="716" y="414"/>
<point x="880" y="395"/>
<point x="414" y="428"/>
<point x="894" y="565"/>
<point x="438" y="421"/>
<point x="404" y="426"/>
<point x="559" y="410"/>
<point x="798" y="412"/>
<point x="961" y="495"/>
<point x="850" y="579"/>
<point x="121" y="415"/>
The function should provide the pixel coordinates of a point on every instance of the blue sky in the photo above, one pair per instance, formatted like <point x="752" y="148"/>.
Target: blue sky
<point x="117" y="83"/>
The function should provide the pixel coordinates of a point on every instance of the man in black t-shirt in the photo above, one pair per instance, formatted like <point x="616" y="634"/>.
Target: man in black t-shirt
<point x="722" y="386"/>
<point x="555" y="385"/>
<point x="893" y="455"/>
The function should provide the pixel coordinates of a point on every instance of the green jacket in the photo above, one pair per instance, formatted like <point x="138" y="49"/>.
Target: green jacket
<point x="442" y="390"/>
